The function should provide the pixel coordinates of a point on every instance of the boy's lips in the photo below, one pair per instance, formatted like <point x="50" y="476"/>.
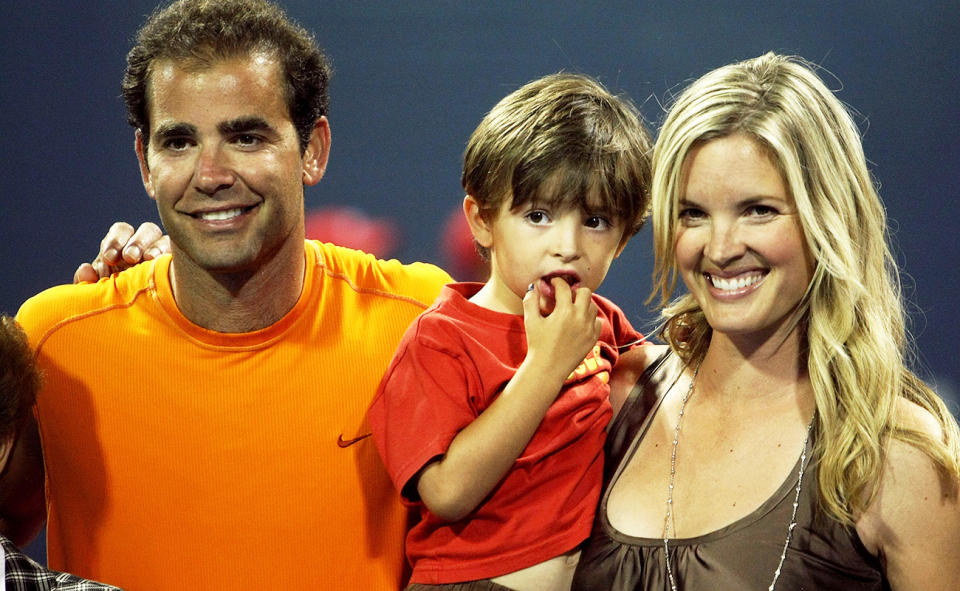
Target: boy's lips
<point x="546" y="287"/>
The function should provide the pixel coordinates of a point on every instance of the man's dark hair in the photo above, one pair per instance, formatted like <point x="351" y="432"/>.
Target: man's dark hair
<point x="19" y="378"/>
<point x="203" y="32"/>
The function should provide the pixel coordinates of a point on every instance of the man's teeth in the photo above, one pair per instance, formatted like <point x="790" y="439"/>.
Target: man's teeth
<point x="736" y="282"/>
<point x="224" y="214"/>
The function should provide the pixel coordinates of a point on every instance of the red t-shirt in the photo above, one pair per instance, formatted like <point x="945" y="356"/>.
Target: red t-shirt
<point x="450" y="366"/>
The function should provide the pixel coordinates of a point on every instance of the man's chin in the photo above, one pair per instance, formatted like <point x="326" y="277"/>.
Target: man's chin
<point x="221" y="263"/>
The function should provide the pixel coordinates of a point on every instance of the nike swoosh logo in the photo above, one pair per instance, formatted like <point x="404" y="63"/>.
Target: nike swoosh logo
<point x="341" y="442"/>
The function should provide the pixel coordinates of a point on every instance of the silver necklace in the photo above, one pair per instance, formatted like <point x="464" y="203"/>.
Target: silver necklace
<point x="673" y="473"/>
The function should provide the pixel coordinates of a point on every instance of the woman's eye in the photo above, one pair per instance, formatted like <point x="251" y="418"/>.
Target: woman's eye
<point x="690" y="214"/>
<point x="761" y="211"/>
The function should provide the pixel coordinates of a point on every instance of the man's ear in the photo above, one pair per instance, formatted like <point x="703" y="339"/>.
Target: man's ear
<point x="145" y="175"/>
<point x="479" y="226"/>
<point x="317" y="152"/>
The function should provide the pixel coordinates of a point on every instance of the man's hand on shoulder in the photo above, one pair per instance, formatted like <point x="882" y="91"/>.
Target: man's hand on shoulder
<point x="124" y="247"/>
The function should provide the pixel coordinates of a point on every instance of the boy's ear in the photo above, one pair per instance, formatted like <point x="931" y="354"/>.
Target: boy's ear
<point x="478" y="225"/>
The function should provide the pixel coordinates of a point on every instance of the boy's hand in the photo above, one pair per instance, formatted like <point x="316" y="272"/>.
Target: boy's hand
<point x="562" y="339"/>
<point x="123" y="247"/>
<point x="483" y="452"/>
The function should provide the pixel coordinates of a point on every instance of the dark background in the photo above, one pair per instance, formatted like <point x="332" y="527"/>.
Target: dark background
<point x="413" y="79"/>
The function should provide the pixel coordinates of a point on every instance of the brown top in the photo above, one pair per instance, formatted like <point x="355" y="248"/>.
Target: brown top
<point x="823" y="554"/>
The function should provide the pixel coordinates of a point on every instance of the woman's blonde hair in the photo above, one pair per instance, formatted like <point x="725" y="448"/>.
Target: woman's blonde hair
<point x="852" y="313"/>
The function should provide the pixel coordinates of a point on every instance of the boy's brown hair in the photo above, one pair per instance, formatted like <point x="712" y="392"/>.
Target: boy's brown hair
<point x="561" y="139"/>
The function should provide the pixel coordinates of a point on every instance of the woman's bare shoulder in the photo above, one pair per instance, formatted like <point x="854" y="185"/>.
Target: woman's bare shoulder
<point x="914" y="518"/>
<point x="630" y="366"/>
<point x="915" y="417"/>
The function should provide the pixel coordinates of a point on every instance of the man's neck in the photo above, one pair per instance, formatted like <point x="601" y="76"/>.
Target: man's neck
<point x="241" y="301"/>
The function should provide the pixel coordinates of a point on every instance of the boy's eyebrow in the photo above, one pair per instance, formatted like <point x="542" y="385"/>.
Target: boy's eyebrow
<point x="243" y="125"/>
<point x="598" y="207"/>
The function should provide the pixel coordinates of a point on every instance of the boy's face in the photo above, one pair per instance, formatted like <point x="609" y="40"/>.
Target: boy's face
<point x="536" y="242"/>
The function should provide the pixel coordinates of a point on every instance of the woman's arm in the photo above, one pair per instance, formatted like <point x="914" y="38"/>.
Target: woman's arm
<point x="913" y="522"/>
<point x="630" y="366"/>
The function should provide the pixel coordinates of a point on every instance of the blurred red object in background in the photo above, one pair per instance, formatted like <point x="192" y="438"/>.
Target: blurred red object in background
<point x="350" y="227"/>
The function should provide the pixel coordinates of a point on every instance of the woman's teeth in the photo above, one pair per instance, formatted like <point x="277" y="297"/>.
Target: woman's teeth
<point x="735" y="283"/>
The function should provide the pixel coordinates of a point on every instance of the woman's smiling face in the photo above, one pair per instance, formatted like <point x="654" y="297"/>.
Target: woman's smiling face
<point x="739" y="245"/>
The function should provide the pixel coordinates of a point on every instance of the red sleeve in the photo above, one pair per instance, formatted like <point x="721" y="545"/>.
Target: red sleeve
<point x="624" y="336"/>
<point x="422" y="403"/>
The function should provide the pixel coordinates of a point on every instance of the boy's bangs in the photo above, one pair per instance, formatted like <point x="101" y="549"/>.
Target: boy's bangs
<point x="581" y="185"/>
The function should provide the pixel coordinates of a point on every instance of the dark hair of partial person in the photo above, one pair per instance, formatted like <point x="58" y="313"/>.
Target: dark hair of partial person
<point x="19" y="378"/>
<point x="563" y="140"/>
<point x="200" y="33"/>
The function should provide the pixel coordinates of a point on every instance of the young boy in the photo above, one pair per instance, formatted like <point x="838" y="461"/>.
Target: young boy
<point x="491" y="416"/>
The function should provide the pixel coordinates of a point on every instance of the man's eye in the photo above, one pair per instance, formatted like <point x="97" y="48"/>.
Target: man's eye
<point x="176" y="144"/>
<point x="247" y="139"/>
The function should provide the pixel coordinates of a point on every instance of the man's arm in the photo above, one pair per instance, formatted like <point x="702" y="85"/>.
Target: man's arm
<point x="483" y="452"/>
<point x="22" y="506"/>
<point x="123" y="247"/>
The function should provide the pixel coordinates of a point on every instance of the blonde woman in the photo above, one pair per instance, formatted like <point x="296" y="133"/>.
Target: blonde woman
<point x="780" y="442"/>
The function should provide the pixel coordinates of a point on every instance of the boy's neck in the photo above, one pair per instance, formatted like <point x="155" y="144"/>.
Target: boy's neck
<point x="497" y="298"/>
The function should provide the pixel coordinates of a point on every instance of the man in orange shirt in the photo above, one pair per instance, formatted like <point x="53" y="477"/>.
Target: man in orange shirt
<point x="202" y="419"/>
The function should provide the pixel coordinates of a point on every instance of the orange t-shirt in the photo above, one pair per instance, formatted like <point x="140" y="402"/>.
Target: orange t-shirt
<point x="182" y="458"/>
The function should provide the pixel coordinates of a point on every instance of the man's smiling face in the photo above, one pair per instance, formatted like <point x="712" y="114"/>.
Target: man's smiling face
<point x="224" y="163"/>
